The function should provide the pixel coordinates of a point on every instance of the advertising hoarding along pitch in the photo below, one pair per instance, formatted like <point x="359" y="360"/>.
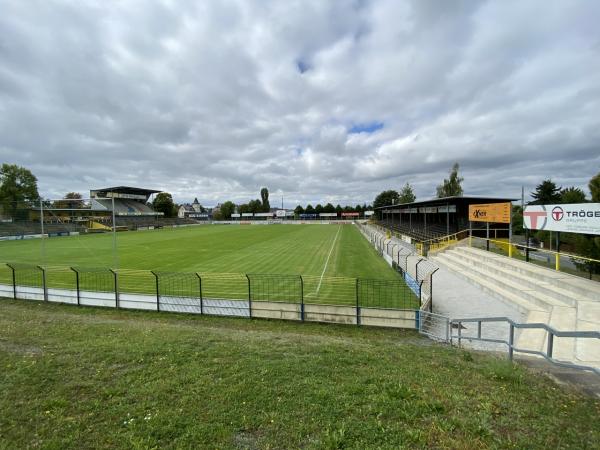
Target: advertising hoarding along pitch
<point x="490" y="212"/>
<point x="572" y="218"/>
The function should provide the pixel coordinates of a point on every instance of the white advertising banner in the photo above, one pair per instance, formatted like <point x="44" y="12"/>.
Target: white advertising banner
<point x="280" y="213"/>
<point x="327" y="214"/>
<point x="572" y="218"/>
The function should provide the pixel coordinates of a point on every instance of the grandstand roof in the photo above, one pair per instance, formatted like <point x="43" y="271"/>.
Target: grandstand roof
<point x="466" y="199"/>
<point x="127" y="190"/>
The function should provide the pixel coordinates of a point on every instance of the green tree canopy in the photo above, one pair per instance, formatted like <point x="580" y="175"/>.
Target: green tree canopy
<point x="255" y="206"/>
<point x="385" y="198"/>
<point x="70" y="204"/>
<point x="299" y="210"/>
<point x="319" y="209"/>
<point x="264" y="195"/>
<point x="546" y="192"/>
<point x="407" y="194"/>
<point x="17" y="185"/>
<point x="451" y="186"/>
<point x="227" y="210"/>
<point x="309" y="209"/>
<point x="572" y="195"/>
<point x="329" y="208"/>
<point x="594" y="186"/>
<point x="338" y="209"/>
<point x="163" y="203"/>
<point x="243" y="208"/>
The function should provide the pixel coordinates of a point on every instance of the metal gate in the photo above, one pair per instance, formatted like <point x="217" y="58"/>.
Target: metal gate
<point x="434" y="326"/>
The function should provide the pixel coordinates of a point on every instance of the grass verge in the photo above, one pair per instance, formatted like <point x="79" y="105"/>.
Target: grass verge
<point x="86" y="377"/>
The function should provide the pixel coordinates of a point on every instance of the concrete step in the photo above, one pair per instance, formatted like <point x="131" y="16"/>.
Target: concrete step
<point x="564" y="319"/>
<point x="579" y="286"/>
<point x="526" y="283"/>
<point x="542" y="300"/>
<point x="508" y="297"/>
<point x="532" y="339"/>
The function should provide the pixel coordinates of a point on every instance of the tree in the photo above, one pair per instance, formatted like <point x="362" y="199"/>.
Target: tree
<point x="227" y="210"/>
<point x="319" y="209"/>
<point x="299" y="210"/>
<point x="407" y="195"/>
<point x="255" y="206"/>
<point x="163" y="203"/>
<point x="546" y="192"/>
<point x="243" y="208"/>
<point x="17" y="185"/>
<point x="594" y="186"/>
<point x="451" y="186"/>
<point x="70" y="204"/>
<point x="264" y="195"/>
<point x="329" y="208"/>
<point x="309" y="209"/>
<point x="386" y="198"/>
<point x="338" y="209"/>
<point x="572" y="195"/>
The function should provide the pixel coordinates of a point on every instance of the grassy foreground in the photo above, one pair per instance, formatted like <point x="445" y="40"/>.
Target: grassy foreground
<point x="84" y="377"/>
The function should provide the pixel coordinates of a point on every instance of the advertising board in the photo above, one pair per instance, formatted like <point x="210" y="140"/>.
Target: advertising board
<point x="572" y="218"/>
<point x="490" y="212"/>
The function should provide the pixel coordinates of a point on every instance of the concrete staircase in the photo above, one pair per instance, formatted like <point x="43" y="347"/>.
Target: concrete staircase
<point x="563" y="301"/>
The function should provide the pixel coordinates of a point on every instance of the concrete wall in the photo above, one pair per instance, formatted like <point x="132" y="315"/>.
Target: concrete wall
<point x="276" y="310"/>
<point x="388" y="318"/>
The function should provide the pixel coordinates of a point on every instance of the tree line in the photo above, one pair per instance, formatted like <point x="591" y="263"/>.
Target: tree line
<point x="450" y="187"/>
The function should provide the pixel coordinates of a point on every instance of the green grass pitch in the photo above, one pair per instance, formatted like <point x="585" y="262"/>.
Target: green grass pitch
<point x="281" y="249"/>
<point x="329" y="257"/>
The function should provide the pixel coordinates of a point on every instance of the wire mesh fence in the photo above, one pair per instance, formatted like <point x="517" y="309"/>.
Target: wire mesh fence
<point x="416" y="270"/>
<point x="294" y="297"/>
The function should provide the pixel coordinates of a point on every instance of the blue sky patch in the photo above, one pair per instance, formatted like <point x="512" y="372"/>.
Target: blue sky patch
<point x="369" y="127"/>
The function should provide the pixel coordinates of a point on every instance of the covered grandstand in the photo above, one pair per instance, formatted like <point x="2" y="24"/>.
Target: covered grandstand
<point x="436" y="218"/>
<point x="68" y="216"/>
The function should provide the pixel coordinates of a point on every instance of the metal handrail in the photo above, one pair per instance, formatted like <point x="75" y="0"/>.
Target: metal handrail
<point x="552" y="333"/>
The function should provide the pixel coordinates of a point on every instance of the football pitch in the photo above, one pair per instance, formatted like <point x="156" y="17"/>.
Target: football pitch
<point x="328" y="250"/>
<point x="330" y="259"/>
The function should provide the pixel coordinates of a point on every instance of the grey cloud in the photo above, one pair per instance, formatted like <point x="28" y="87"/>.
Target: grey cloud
<point x="206" y="100"/>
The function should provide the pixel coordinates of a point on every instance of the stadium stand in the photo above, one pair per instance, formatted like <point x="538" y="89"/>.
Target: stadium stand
<point x="434" y="219"/>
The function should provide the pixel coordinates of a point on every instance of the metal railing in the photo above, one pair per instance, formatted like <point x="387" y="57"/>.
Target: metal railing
<point x="510" y="343"/>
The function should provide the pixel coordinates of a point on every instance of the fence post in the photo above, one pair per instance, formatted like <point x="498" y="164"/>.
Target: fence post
<point x="14" y="281"/>
<point x="417" y="268"/>
<point x="249" y="297"/>
<point x="511" y="340"/>
<point x="301" y="298"/>
<point x="459" y="334"/>
<point x="77" y="284"/>
<point x="200" y="288"/>
<point x="44" y="283"/>
<point x="116" y="288"/>
<point x="157" y="290"/>
<point x="357" y="304"/>
<point x="550" y="344"/>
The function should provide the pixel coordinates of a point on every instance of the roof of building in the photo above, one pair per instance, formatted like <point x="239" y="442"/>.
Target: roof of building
<point x="127" y="190"/>
<point x="466" y="199"/>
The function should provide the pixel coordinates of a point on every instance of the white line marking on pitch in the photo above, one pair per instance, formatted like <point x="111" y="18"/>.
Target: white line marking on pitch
<point x="327" y="260"/>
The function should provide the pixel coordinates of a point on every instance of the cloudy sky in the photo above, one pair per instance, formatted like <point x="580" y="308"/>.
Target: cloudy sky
<point x="321" y="100"/>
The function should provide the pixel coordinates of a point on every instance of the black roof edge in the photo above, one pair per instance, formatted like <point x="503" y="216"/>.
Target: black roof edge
<point x="447" y="199"/>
